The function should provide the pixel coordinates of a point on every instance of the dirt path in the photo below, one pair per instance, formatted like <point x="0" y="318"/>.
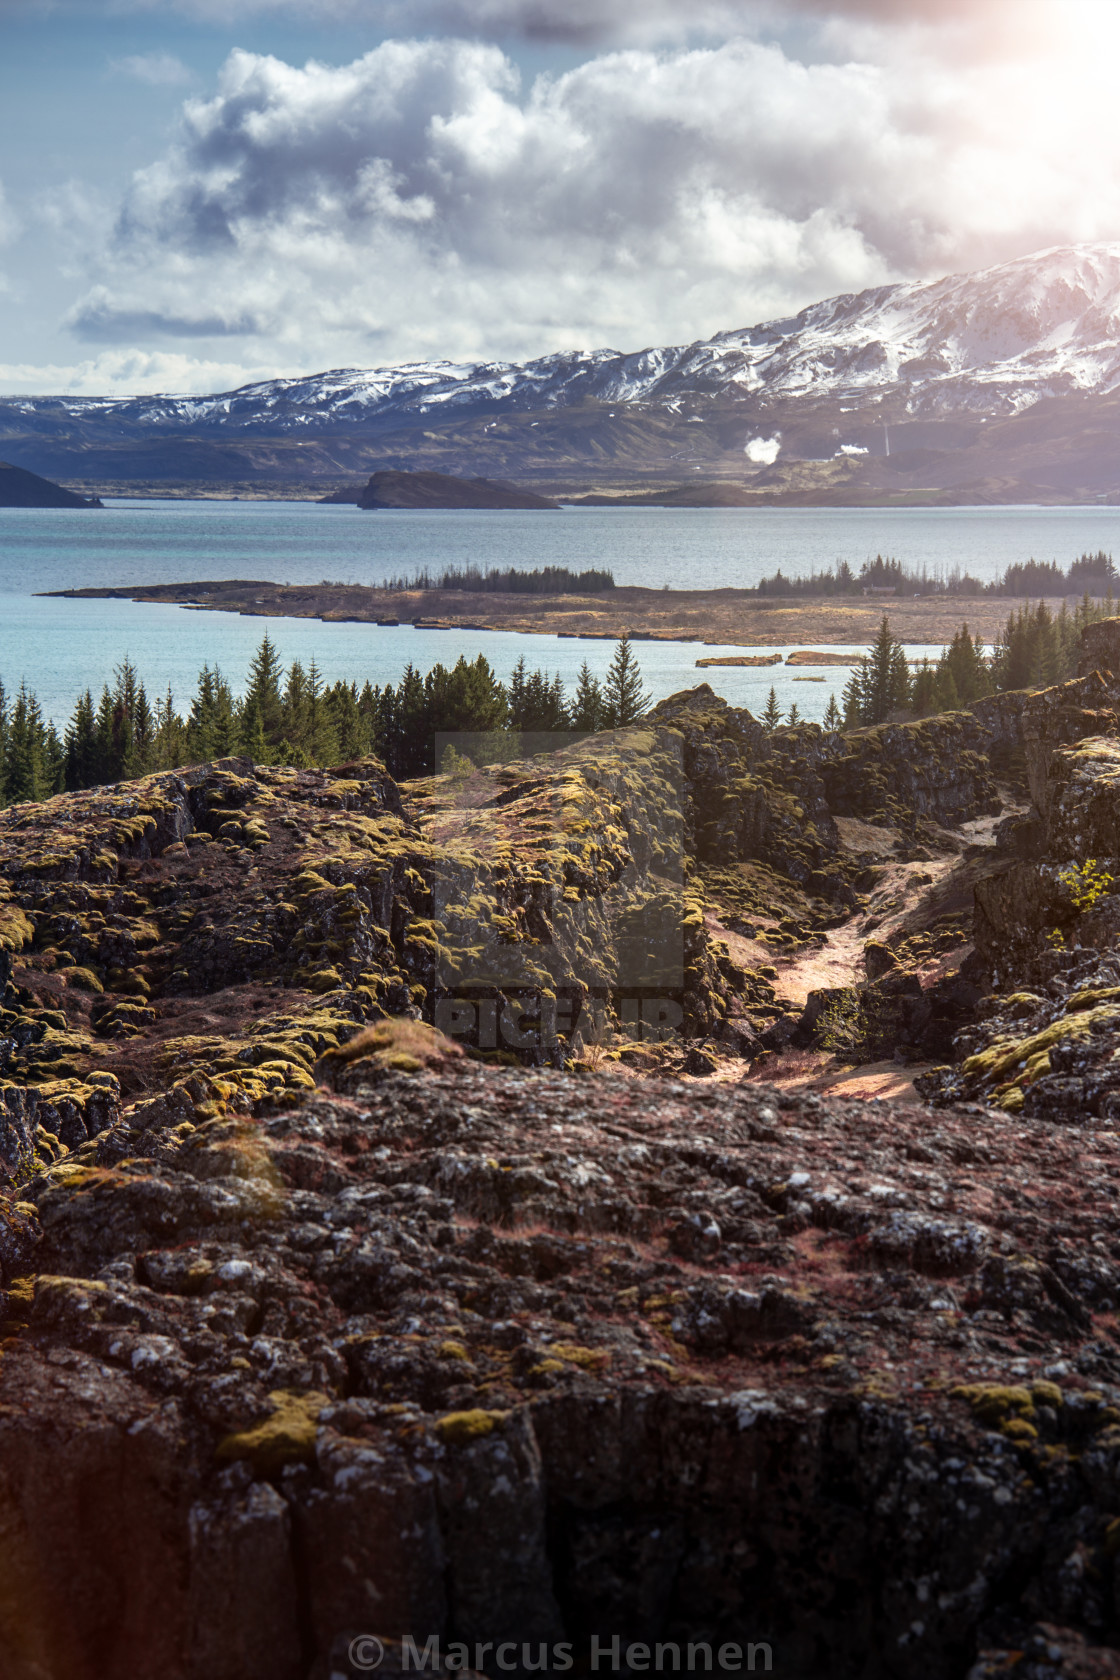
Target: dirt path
<point x="906" y="896"/>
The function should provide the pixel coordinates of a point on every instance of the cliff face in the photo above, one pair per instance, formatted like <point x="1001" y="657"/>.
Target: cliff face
<point x="319" y="1322"/>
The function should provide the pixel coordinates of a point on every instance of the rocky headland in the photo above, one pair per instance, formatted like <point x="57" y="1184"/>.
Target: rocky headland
<point x="449" y="1210"/>
<point x="22" y="489"/>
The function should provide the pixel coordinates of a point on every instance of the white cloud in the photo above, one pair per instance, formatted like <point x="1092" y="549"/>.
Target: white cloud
<point x="421" y="202"/>
<point x="158" y="69"/>
<point x="118" y="372"/>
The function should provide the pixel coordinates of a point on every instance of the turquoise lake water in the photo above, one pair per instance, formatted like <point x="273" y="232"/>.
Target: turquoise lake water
<point x="61" y="646"/>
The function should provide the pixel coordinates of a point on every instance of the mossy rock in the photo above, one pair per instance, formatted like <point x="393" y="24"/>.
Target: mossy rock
<point x="459" y="1429"/>
<point x="83" y="980"/>
<point x="1006" y="1407"/>
<point x="17" y="930"/>
<point x="400" y="1045"/>
<point x="285" y="1437"/>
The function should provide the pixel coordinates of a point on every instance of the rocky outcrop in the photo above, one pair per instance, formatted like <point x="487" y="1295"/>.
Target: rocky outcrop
<point x="693" y="1378"/>
<point x="207" y="934"/>
<point x="1046" y="923"/>
<point x="323" y="1327"/>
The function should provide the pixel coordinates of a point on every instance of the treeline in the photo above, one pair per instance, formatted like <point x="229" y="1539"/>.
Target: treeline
<point x="294" y="717"/>
<point x="508" y="580"/>
<point x="1036" y="647"/>
<point x="1092" y="574"/>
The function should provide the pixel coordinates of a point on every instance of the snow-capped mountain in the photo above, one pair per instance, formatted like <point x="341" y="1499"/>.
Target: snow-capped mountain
<point x="991" y="342"/>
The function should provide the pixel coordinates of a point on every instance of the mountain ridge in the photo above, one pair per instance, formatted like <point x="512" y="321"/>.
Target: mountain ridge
<point x="935" y="360"/>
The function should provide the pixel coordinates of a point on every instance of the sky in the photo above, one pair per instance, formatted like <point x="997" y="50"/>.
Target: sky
<point x="195" y="194"/>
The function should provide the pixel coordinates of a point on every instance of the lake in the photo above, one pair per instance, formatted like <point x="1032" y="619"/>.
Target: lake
<point x="61" y="646"/>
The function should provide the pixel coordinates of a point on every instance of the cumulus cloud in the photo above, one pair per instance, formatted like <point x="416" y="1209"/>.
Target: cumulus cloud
<point x="421" y="201"/>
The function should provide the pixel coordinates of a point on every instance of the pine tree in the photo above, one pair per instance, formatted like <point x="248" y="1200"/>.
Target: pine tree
<point x="794" y="715"/>
<point x="772" y="713"/>
<point x="587" y="707"/>
<point x="212" y="725"/>
<point x="517" y="695"/>
<point x="624" y="699"/>
<point x="880" y="684"/>
<point x="964" y="666"/>
<point x="832" y="715"/>
<point x="82" y="754"/>
<point x="295" y="706"/>
<point x="169" y="746"/>
<point x="320" y="742"/>
<point x="24" y="776"/>
<point x="262" y="711"/>
<point x="54" y="761"/>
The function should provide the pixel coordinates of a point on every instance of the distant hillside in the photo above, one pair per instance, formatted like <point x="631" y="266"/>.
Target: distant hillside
<point x="997" y="386"/>
<point x="441" y="490"/>
<point x="22" y="489"/>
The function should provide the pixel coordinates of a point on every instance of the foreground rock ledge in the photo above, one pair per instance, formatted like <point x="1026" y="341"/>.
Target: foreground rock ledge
<point x="498" y="1355"/>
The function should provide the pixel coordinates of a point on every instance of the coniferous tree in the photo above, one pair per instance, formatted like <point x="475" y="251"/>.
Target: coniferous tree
<point x="54" y="761"/>
<point x="169" y="741"/>
<point x="772" y="712"/>
<point x="212" y="726"/>
<point x="262" y="712"/>
<point x="794" y="715"/>
<point x="964" y="661"/>
<point x="833" y="717"/>
<point x="83" y="756"/>
<point x="24" y="767"/>
<point x="320" y="742"/>
<point x="295" y="708"/>
<point x="624" y="699"/>
<point x="587" y="706"/>
<point x="880" y="684"/>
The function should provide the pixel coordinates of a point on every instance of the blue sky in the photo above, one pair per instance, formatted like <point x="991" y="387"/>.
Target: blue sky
<point x="197" y="195"/>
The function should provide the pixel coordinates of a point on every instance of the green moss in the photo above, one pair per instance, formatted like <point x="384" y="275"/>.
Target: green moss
<point x="1006" y="1055"/>
<point x="453" y="1350"/>
<point x="1006" y="1407"/>
<point x="17" y="930"/>
<point x="286" y="1437"/>
<point x="458" y="1429"/>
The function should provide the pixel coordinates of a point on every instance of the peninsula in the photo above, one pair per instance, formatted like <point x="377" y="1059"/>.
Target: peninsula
<point x="716" y="617"/>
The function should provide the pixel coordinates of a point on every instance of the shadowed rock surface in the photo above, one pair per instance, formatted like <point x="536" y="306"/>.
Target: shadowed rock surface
<point x="319" y="1322"/>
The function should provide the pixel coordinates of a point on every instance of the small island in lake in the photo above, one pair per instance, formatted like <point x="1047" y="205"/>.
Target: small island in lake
<point x="22" y="489"/>
<point x="393" y="489"/>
